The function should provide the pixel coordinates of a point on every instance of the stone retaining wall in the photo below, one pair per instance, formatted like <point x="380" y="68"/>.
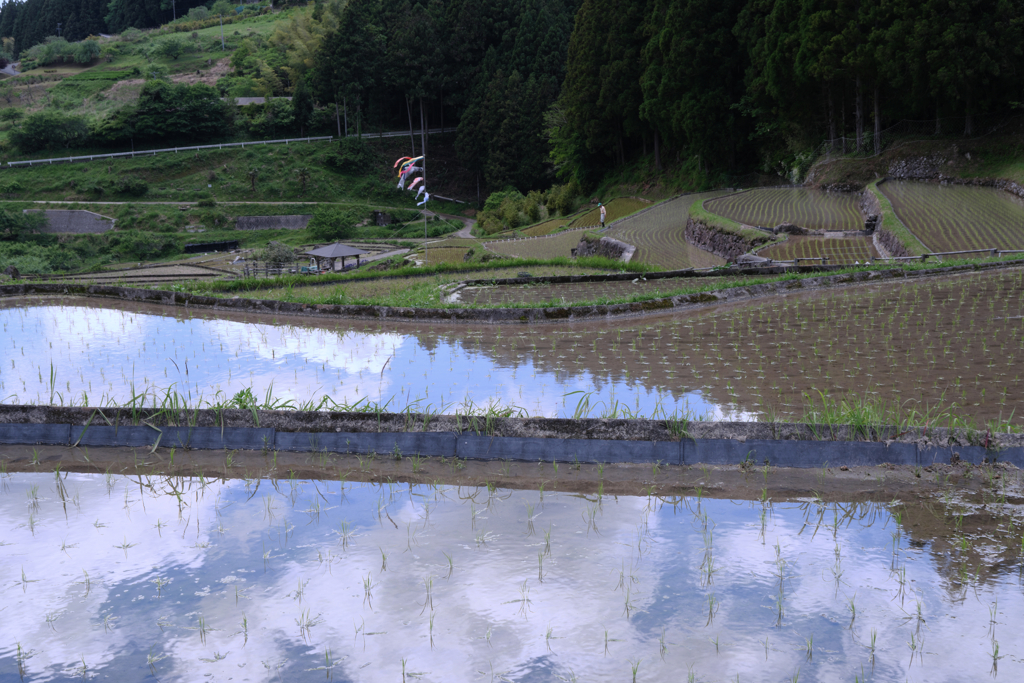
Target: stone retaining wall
<point x="719" y="242"/>
<point x="607" y="247"/>
<point x="74" y="222"/>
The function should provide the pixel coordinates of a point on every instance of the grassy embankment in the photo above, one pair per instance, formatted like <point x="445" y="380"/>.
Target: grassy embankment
<point x="420" y="287"/>
<point x="892" y="223"/>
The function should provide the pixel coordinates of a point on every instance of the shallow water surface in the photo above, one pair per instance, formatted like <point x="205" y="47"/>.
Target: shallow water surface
<point x="953" y="341"/>
<point x="117" y="578"/>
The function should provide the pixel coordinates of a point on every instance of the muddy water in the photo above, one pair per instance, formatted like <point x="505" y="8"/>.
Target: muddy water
<point x="252" y="580"/>
<point x="957" y="340"/>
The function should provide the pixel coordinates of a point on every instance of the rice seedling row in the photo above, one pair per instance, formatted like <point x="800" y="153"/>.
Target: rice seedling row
<point x="434" y="255"/>
<point x="838" y="250"/>
<point x="957" y="217"/>
<point x="659" y="235"/>
<point x="176" y="578"/>
<point x="807" y="208"/>
<point x="615" y="209"/>
<point x="553" y="246"/>
<point x="547" y="227"/>
<point x="950" y="345"/>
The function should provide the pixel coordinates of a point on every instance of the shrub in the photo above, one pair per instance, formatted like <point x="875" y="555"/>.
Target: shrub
<point x="132" y="245"/>
<point x="207" y="203"/>
<point x="132" y="185"/>
<point x="14" y="226"/>
<point x="49" y="130"/>
<point x="276" y="253"/>
<point x="354" y="156"/>
<point x="171" y="48"/>
<point x="329" y="223"/>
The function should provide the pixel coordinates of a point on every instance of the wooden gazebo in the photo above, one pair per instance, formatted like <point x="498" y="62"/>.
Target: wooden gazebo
<point x="335" y="251"/>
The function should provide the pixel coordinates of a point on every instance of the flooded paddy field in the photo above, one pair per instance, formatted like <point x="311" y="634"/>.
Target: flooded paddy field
<point x="808" y="208"/>
<point x="958" y="217"/>
<point x="837" y="249"/>
<point x="111" y="577"/>
<point x="954" y="341"/>
<point x="551" y="246"/>
<point x="659" y="235"/>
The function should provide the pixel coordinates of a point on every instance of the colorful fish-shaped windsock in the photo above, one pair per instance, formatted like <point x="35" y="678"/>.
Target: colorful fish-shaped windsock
<point x="426" y="198"/>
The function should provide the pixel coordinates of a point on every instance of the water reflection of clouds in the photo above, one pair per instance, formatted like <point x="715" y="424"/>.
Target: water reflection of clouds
<point x="99" y="561"/>
<point x="278" y="562"/>
<point x="112" y="354"/>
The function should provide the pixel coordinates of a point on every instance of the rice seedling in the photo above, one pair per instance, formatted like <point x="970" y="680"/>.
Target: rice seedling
<point x="915" y="646"/>
<point x="368" y="586"/>
<point x="202" y="628"/>
<point x="305" y="623"/>
<point x="635" y="666"/>
<point x="713" y="606"/>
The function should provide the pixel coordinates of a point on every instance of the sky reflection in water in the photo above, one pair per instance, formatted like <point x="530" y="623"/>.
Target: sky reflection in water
<point x="256" y="584"/>
<point x="110" y="353"/>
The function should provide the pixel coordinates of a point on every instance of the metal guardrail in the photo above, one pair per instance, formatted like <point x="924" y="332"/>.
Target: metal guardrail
<point x="133" y="154"/>
<point x="145" y="152"/>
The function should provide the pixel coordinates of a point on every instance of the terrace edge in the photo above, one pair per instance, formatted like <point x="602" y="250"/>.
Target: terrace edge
<point x="488" y="315"/>
<point x="522" y="439"/>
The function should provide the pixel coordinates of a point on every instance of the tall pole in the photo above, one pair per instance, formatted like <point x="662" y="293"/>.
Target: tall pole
<point x="222" y="48"/>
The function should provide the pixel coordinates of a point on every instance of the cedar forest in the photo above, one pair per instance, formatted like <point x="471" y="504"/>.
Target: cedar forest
<point x="546" y="89"/>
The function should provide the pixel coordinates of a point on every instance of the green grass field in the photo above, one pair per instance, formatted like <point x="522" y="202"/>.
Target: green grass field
<point x="957" y="217"/>
<point x="843" y="250"/>
<point x="658" y="235"/>
<point x="812" y="209"/>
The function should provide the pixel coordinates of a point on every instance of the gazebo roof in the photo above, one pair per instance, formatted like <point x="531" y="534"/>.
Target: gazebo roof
<point x="336" y="250"/>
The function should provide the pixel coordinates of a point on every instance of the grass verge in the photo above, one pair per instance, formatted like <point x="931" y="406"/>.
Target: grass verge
<point x="892" y="223"/>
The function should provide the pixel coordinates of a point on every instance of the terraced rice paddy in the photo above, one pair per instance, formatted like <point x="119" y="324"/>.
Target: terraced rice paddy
<point x="838" y="250"/>
<point x="547" y="227"/>
<point x="592" y="292"/>
<point x="811" y="209"/>
<point x="659" y="235"/>
<point x="418" y="290"/>
<point x="957" y="340"/>
<point x="617" y="208"/>
<point x="553" y="246"/>
<point x="956" y="217"/>
<point x="435" y="255"/>
<point x="152" y="275"/>
<point x="130" y="578"/>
